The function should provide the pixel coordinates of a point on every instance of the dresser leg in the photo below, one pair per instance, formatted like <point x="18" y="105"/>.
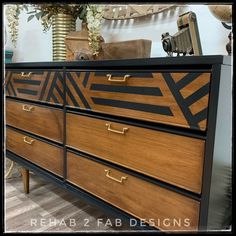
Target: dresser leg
<point x="25" y="178"/>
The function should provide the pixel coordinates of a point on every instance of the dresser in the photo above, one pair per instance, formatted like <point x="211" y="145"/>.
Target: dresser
<point x="147" y="139"/>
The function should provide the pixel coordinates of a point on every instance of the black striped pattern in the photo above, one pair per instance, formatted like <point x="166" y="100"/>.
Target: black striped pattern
<point x="14" y="85"/>
<point x="72" y="83"/>
<point x="9" y="88"/>
<point x="86" y="77"/>
<point x="163" y="110"/>
<point x="27" y="91"/>
<point x="185" y="103"/>
<point x="188" y="96"/>
<point x="55" y="93"/>
<point x="127" y="89"/>
<point x="27" y="81"/>
<point x="109" y="88"/>
<point x="47" y="86"/>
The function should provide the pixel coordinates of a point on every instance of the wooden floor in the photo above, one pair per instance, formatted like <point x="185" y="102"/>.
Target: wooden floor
<point x="49" y="208"/>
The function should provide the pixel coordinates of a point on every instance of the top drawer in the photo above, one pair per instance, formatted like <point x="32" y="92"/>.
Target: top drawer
<point x="179" y="99"/>
<point x="42" y="85"/>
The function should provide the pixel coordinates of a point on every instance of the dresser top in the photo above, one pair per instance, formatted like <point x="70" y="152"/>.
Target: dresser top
<point x="143" y="62"/>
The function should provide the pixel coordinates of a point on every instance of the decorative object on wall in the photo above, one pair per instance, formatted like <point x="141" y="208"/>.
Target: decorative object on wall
<point x="127" y="11"/>
<point x="224" y="14"/>
<point x="186" y="40"/>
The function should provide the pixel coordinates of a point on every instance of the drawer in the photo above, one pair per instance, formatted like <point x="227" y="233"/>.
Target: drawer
<point x="40" y="153"/>
<point x="46" y="122"/>
<point x="178" y="99"/>
<point x="138" y="197"/>
<point x="172" y="158"/>
<point x="42" y="85"/>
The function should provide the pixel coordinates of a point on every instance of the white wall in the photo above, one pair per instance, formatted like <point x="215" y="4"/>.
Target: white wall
<point x="34" y="45"/>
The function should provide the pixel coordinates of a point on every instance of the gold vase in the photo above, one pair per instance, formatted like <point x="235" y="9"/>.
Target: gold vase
<point x="62" y="24"/>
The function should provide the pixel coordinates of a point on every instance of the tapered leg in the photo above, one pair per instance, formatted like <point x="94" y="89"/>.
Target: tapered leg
<point x="25" y="178"/>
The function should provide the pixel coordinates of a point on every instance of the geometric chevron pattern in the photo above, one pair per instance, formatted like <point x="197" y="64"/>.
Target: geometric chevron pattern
<point x="179" y="99"/>
<point x="173" y="98"/>
<point x="41" y="85"/>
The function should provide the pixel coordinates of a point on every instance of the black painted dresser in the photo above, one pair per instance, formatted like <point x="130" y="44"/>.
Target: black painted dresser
<point x="148" y="139"/>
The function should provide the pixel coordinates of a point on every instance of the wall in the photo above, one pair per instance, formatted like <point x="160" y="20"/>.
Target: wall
<point x="34" y="45"/>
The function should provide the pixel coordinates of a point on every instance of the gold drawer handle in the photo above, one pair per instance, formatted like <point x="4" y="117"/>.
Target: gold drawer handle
<point x="28" y="141"/>
<point x="117" y="180"/>
<point x="109" y="76"/>
<point x="116" y="131"/>
<point x="26" y="108"/>
<point x="23" y="74"/>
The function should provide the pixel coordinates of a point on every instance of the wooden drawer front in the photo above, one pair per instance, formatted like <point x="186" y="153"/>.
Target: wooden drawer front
<point x="179" y="99"/>
<point x="46" y="122"/>
<point x="172" y="158"/>
<point x="43" y="154"/>
<point x="42" y="85"/>
<point x="135" y="196"/>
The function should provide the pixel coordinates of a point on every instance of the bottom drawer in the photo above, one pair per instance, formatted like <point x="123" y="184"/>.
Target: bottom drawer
<point x="166" y="209"/>
<point x="43" y="154"/>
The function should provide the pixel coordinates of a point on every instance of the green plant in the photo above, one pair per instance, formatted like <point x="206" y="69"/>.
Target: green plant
<point x="92" y="14"/>
<point x="45" y="12"/>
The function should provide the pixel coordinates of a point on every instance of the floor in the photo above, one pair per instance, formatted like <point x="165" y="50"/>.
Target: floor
<point x="45" y="208"/>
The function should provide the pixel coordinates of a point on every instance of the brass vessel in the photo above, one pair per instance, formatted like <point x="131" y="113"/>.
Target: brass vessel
<point x="62" y="24"/>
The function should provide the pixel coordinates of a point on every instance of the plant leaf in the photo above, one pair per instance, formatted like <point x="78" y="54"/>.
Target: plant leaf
<point x="82" y="14"/>
<point x="31" y="12"/>
<point x="25" y="7"/>
<point x="39" y="14"/>
<point x="30" y="18"/>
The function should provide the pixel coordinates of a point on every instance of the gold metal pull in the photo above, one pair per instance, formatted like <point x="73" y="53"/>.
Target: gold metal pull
<point x="109" y="76"/>
<point x="23" y="74"/>
<point x="116" y="131"/>
<point x="26" y="108"/>
<point x="117" y="180"/>
<point x="28" y="141"/>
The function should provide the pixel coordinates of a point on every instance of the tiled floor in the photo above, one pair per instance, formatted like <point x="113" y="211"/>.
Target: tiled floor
<point x="49" y="208"/>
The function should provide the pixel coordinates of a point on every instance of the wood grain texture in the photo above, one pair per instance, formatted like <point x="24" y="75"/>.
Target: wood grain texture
<point x="158" y="97"/>
<point x="43" y="121"/>
<point x="40" y="85"/>
<point x="43" y="154"/>
<point x="135" y="196"/>
<point x="195" y="85"/>
<point x="172" y="158"/>
<point x="25" y="178"/>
